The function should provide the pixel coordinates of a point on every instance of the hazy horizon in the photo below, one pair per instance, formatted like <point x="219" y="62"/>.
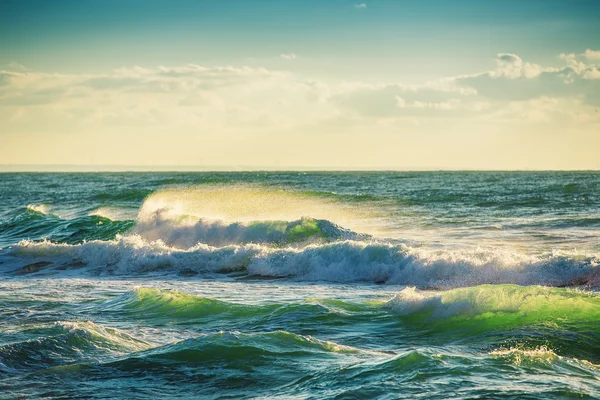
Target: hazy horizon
<point x="50" y="168"/>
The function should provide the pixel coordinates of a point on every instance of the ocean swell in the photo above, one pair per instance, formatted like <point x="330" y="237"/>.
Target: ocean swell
<point x="37" y="223"/>
<point x="66" y="342"/>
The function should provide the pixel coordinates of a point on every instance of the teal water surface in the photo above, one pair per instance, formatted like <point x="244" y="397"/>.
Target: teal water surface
<point x="300" y="285"/>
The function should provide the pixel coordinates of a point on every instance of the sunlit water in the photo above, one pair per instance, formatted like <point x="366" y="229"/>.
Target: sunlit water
<point x="300" y="285"/>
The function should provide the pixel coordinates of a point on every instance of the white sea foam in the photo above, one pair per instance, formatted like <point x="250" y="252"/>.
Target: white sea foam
<point x="246" y="204"/>
<point x="208" y="231"/>
<point x="341" y="261"/>
<point x="518" y="356"/>
<point x="39" y="208"/>
<point x="411" y="301"/>
<point x="187" y="231"/>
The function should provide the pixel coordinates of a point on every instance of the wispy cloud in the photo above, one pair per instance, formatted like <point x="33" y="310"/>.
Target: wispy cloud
<point x="361" y="5"/>
<point x="242" y="98"/>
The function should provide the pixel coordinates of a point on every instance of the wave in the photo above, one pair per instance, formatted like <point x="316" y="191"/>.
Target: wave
<point x="241" y="362"/>
<point x="232" y="349"/>
<point x="245" y="230"/>
<point x="480" y="308"/>
<point x="113" y="213"/>
<point x="40" y="209"/>
<point x="343" y="261"/>
<point x="250" y="204"/>
<point x="223" y="215"/>
<point x="498" y="304"/>
<point x="36" y="225"/>
<point x="543" y="357"/>
<point x="280" y="363"/>
<point x="67" y="342"/>
<point x="560" y="223"/>
<point x="524" y="356"/>
<point x="123" y="195"/>
<point x="269" y="343"/>
<point x="172" y="304"/>
<point x="185" y="231"/>
<point x="530" y="322"/>
<point x="227" y="357"/>
<point x="177" y="307"/>
<point x="523" y="317"/>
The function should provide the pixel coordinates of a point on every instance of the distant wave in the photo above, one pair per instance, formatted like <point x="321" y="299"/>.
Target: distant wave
<point x="38" y="223"/>
<point x="123" y="195"/>
<point x="39" y="208"/>
<point x="113" y="213"/>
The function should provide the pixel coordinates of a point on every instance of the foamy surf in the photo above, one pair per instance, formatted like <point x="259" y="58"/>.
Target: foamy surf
<point x="340" y="261"/>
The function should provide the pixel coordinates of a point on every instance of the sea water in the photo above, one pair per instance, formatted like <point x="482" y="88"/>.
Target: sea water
<point x="353" y="285"/>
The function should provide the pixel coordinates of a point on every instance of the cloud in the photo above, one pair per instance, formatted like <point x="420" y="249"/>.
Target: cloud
<point x="211" y="98"/>
<point x="517" y="80"/>
<point x="395" y="100"/>
<point x="451" y="104"/>
<point x="512" y="66"/>
<point x="578" y="64"/>
<point x="592" y="54"/>
<point x="360" y="6"/>
<point x="217" y="99"/>
<point x="592" y="73"/>
<point x="288" y="56"/>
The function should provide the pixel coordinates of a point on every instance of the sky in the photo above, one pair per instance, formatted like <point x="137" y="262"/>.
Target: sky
<point x="329" y="84"/>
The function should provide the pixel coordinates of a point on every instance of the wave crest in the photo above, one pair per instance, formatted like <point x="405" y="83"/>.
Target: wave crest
<point x="342" y="261"/>
<point x="66" y="342"/>
<point x="184" y="231"/>
<point x="497" y="306"/>
<point x="235" y="347"/>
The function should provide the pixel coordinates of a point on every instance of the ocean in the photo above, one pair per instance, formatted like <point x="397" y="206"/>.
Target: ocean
<point x="300" y="285"/>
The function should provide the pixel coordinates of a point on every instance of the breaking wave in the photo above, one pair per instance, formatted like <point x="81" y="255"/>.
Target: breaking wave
<point x="498" y="305"/>
<point x="265" y="233"/>
<point x="341" y="261"/>
<point x="187" y="232"/>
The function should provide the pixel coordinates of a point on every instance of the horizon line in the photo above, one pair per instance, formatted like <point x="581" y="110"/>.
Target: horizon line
<point x="49" y="168"/>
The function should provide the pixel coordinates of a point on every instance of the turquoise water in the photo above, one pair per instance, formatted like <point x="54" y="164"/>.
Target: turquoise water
<point x="300" y="285"/>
